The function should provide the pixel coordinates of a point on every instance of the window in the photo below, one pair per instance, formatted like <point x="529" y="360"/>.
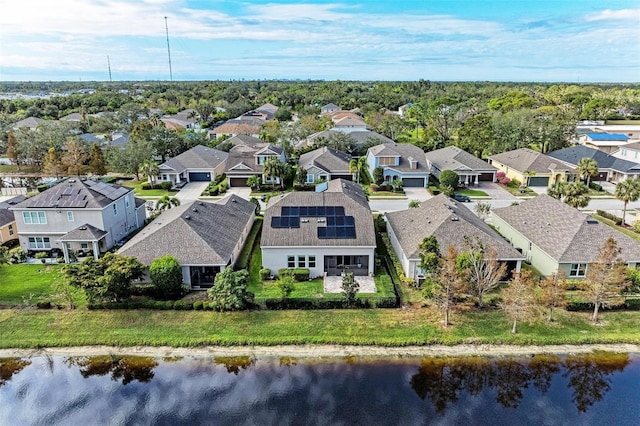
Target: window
<point x="34" y="218"/>
<point x="39" y="243"/>
<point x="578" y="270"/>
<point x="624" y="151"/>
<point x="530" y="245"/>
<point x="126" y="201"/>
<point x="70" y="216"/>
<point x="310" y="178"/>
<point x="84" y="245"/>
<point x="115" y="209"/>
<point x="11" y="229"/>
<point x="312" y="261"/>
<point x="165" y="177"/>
<point x="302" y="262"/>
<point x="291" y="261"/>
<point x="387" y="161"/>
<point x="322" y="178"/>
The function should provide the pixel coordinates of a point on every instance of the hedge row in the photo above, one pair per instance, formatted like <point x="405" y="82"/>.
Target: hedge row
<point x="313" y="303"/>
<point x="395" y="261"/>
<point x="164" y="185"/>
<point x="628" y="305"/>
<point x="178" y="305"/>
<point x="607" y="215"/>
<point x="299" y="274"/>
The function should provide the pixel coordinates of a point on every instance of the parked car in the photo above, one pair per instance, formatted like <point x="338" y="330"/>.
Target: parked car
<point x="462" y="198"/>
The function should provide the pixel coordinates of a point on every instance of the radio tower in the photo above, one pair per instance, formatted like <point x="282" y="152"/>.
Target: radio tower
<point x="166" y="27"/>
<point x="109" y="65"/>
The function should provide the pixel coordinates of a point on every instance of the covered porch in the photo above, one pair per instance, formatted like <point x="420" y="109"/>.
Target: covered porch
<point x="84" y="240"/>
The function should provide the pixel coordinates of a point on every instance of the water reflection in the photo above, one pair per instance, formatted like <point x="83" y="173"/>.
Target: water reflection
<point x="443" y="379"/>
<point x="11" y="366"/>
<point x="125" y="368"/>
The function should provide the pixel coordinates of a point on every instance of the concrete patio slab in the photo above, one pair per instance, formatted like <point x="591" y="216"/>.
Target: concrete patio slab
<point x="333" y="284"/>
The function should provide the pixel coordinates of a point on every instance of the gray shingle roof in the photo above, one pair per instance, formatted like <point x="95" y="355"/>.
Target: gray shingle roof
<point x="84" y="232"/>
<point x="405" y="151"/>
<point x="328" y="159"/>
<point x="563" y="232"/>
<point x="340" y="192"/>
<point x="30" y="122"/>
<point x="574" y="154"/>
<point x="7" y="216"/>
<point x="197" y="233"/>
<point x="449" y="222"/>
<point x="524" y="159"/>
<point x="198" y="157"/>
<point x="454" y="158"/>
<point x="360" y="136"/>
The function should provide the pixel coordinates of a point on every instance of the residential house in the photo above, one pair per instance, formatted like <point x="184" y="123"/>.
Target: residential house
<point x="607" y="142"/>
<point x="204" y="237"/>
<point x="269" y="108"/>
<point x="349" y="124"/>
<point x="631" y="130"/>
<point x="74" y="117"/>
<point x="325" y="164"/>
<point x="329" y="108"/>
<point x="402" y="109"/>
<point x="329" y="232"/>
<point x="629" y="152"/>
<point x="360" y="137"/>
<point x="237" y="126"/>
<point x="78" y="216"/>
<point x="555" y="237"/>
<point x="610" y="167"/>
<point x="452" y="224"/>
<point x="199" y="163"/>
<point x="532" y="168"/>
<point x="402" y="161"/>
<point x="29" y="123"/>
<point x="469" y="168"/>
<point x="8" y="229"/>
<point x="247" y="158"/>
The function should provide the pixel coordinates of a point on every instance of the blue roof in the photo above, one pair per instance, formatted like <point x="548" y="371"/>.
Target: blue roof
<point x="608" y="136"/>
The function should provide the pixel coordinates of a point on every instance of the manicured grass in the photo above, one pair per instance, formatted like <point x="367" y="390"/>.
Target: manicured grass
<point x="19" y="283"/>
<point x="12" y="168"/>
<point x="22" y="328"/>
<point x="254" y="235"/>
<point x="618" y="228"/>
<point x="137" y="189"/>
<point x="377" y="194"/>
<point x="515" y="189"/>
<point x="472" y="192"/>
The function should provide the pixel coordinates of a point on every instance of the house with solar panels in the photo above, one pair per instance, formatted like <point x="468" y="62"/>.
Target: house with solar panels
<point x="329" y="231"/>
<point x="78" y="217"/>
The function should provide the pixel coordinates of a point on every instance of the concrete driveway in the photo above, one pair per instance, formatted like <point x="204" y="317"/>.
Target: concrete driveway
<point x="191" y="191"/>
<point x="420" y="194"/>
<point x="495" y="191"/>
<point x="240" y="191"/>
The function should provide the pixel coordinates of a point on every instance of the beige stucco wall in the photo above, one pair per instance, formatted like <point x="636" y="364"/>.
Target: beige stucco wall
<point x="4" y="233"/>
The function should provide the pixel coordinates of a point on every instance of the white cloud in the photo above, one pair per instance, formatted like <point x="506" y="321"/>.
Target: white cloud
<point x="617" y="15"/>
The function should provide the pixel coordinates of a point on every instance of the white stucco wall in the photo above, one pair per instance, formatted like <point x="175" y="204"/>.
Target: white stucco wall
<point x="275" y="258"/>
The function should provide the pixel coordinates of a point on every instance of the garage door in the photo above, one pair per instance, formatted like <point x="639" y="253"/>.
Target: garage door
<point x="538" y="181"/>
<point x="413" y="182"/>
<point x="486" y="177"/>
<point x="199" y="176"/>
<point x="238" y="182"/>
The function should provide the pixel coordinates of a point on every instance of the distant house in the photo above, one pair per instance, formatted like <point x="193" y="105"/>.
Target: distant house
<point x="235" y="127"/>
<point x="329" y="232"/>
<point x="402" y="109"/>
<point x="349" y="124"/>
<point x="247" y="158"/>
<point x="75" y="117"/>
<point x="200" y="163"/>
<point x="8" y="228"/>
<point x="631" y="130"/>
<point x="78" y="216"/>
<point x="451" y="223"/>
<point x="629" y="152"/>
<point x="555" y="237"/>
<point x="360" y="137"/>
<point x="329" y="108"/>
<point x="610" y="167"/>
<point x="607" y="142"/>
<point x="469" y="168"/>
<point x="325" y="164"/>
<point x="269" y="108"/>
<point x="402" y="161"/>
<point x="532" y="168"/>
<point x="204" y="237"/>
<point x="29" y="123"/>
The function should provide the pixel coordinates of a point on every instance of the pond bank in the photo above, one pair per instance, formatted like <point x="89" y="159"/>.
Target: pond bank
<point x="324" y="351"/>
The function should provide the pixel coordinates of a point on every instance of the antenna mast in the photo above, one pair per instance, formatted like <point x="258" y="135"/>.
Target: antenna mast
<point x="166" y="27"/>
<point x="109" y="65"/>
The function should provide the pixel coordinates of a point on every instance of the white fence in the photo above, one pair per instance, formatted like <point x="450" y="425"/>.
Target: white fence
<point x="13" y="191"/>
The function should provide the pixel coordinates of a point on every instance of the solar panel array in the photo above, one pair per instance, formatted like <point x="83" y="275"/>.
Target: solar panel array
<point x="110" y="191"/>
<point x="337" y="224"/>
<point x="70" y="197"/>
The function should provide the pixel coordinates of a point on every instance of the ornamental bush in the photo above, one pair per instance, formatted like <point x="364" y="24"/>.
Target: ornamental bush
<point x="166" y="277"/>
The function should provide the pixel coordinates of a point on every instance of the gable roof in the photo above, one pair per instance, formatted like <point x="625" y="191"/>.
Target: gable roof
<point x="268" y="107"/>
<point x="633" y="145"/>
<point x="525" y="159"/>
<point x="244" y="140"/>
<point x="196" y="233"/>
<point x="237" y="127"/>
<point x="405" y="151"/>
<point x="6" y="216"/>
<point x="30" y="122"/>
<point x="327" y="159"/>
<point x="330" y="106"/>
<point x="74" y="116"/>
<point x="574" y="154"/>
<point x="607" y="136"/>
<point x="454" y="158"/>
<point x="563" y="232"/>
<point x="349" y="122"/>
<point x="450" y="222"/>
<point x="360" y="136"/>
<point x="76" y="194"/>
<point x="198" y="157"/>
<point x="85" y="232"/>
<point x="339" y="192"/>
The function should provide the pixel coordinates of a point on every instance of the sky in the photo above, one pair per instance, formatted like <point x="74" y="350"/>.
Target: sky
<point x="439" y="40"/>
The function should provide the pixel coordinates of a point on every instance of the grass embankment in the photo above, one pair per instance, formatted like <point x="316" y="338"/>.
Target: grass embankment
<point x="22" y="283"/>
<point x="472" y="192"/>
<point x="137" y="189"/>
<point x="22" y="328"/>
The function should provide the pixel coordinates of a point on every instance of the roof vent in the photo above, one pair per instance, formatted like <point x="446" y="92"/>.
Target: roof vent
<point x="321" y="220"/>
<point x="304" y="220"/>
<point x="454" y="218"/>
<point x="233" y="200"/>
<point x="194" y="210"/>
<point x="187" y="217"/>
<point x="591" y="220"/>
<point x="200" y="203"/>
<point x="83" y="228"/>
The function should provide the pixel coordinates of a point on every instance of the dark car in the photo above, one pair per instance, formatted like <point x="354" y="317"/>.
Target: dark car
<point x="461" y="198"/>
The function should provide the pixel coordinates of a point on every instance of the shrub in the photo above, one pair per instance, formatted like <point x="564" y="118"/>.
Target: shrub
<point x="301" y="274"/>
<point x="42" y="187"/>
<point x="41" y="255"/>
<point x="595" y="186"/>
<point x="374" y="187"/>
<point x="198" y="305"/>
<point x="395" y="261"/>
<point x="449" y="178"/>
<point x="284" y="272"/>
<point x="166" y="185"/>
<point x="433" y="190"/>
<point x="229" y="292"/>
<point x="304" y="187"/>
<point x="617" y="220"/>
<point x="265" y="274"/>
<point x="166" y="277"/>
<point x="220" y="178"/>
<point x="636" y="226"/>
<point x="182" y="305"/>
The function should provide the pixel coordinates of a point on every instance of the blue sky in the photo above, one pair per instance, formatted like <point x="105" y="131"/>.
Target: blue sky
<point x="496" y="40"/>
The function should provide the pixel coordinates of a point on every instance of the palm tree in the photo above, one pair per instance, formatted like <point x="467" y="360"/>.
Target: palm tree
<point x="272" y="167"/>
<point x="149" y="169"/>
<point x="166" y="202"/>
<point x="588" y="168"/>
<point x="414" y="204"/>
<point x="254" y="182"/>
<point x="353" y="169"/>
<point x="627" y="190"/>
<point x="575" y="194"/>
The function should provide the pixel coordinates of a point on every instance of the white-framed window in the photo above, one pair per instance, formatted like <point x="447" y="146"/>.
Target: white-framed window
<point x="11" y="229"/>
<point x="165" y="177"/>
<point x="578" y="270"/>
<point x="39" y="243"/>
<point x="624" y="151"/>
<point x="84" y="245"/>
<point x="322" y="178"/>
<point x="34" y="218"/>
<point x="291" y="261"/>
<point x="312" y="261"/>
<point x="115" y="209"/>
<point x="70" y="216"/>
<point x="302" y="262"/>
<point x="310" y="178"/>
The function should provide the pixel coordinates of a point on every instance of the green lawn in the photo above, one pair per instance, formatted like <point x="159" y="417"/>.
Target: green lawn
<point x="12" y="168"/>
<point x="137" y="187"/>
<point x="515" y="189"/>
<point x="472" y="192"/>
<point x="23" y="282"/>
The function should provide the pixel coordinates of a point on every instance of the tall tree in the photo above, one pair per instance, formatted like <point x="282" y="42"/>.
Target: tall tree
<point x="606" y="277"/>
<point x="588" y="169"/>
<point x="627" y="191"/>
<point x="53" y="164"/>
<point x="430" y="255"/>
<point x="273" y="168"/>
<point x="75" y="155"/>
<point x="553" y="293"/>
<point x="518" y="298"/>
<point x="96" y="161"/>
<point x="447" y="283"/>
<point x="13" y="151"/>
<point x="149" y="170"/>
<point x="482" y="267"/>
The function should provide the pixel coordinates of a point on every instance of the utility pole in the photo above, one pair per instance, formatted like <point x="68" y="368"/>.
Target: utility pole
<point x="109" y="65"/>
<point x="166" y="27"/>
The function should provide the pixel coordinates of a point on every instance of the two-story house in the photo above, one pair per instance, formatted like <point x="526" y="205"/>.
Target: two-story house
<point x="198" y="164"/>
<point x="8" y="230"/>
<point x="78" y="215"/>
<point x="247" y="158"/>
<point x="400" y="161"/>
